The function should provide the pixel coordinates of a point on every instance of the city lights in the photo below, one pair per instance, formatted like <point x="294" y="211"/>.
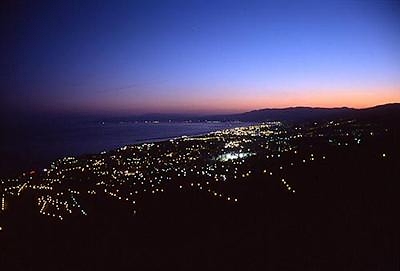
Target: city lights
<point x="209" y="163"/>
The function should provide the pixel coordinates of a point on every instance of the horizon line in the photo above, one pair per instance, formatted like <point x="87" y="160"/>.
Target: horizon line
<point x="191" y="113"/>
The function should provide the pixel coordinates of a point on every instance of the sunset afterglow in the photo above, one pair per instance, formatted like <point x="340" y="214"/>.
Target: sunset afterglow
<point x="203" y="57"/>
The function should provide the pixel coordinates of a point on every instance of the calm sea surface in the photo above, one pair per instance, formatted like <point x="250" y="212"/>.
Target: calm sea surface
<point x="36" y="146"/>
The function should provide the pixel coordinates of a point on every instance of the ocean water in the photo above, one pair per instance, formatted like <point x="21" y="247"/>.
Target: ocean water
<point x="35" y="146"/>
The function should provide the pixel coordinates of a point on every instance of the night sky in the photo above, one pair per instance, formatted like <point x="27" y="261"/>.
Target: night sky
<point x="198" y="56"/>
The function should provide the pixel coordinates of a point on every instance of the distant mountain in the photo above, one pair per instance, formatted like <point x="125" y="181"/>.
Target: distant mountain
<point x="293" y="114"/>
<point x="391" y="110"/>
<point x="299" y="114"/>
<point x="386" y="112"/>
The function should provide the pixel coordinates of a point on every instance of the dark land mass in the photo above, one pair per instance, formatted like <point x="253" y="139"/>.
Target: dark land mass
<point x="302" y="114"/>
<point x="294" y="114"/>
<point x="290" y="114"/>
<point x="305" y="196"/>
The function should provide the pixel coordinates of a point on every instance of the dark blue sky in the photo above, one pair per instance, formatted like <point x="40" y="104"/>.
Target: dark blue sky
<point x="199" y="56"/>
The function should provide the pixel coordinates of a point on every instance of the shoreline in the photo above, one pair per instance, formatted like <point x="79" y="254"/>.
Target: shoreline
<point x="14" y="169"/>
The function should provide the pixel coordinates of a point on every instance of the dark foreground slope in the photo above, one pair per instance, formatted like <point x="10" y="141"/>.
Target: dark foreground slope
<point x="342" y="217"/>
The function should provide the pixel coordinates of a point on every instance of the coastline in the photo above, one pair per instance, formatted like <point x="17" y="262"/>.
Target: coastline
<point x="28" y="159"/>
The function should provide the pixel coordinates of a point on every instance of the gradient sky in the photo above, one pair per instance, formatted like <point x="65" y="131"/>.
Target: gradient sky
<point x="199" y="56"/>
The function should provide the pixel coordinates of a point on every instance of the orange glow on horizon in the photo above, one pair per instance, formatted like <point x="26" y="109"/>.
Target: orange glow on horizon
<point x="318" y="99"/>
<point x="235" y="103"/>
